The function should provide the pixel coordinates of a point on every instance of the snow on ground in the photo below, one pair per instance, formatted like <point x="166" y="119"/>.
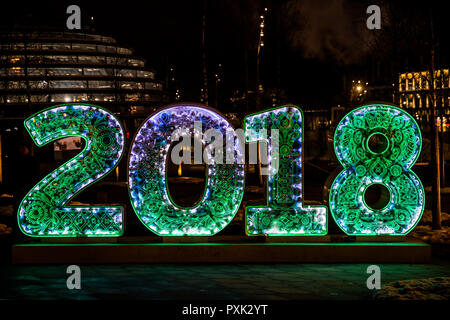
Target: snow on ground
<point x="427" y="218"/>
<point x="418" y="289"/>
<point x="425" y="232"/>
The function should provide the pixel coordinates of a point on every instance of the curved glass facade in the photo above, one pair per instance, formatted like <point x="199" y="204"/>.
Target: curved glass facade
<point x="40" y="69"/>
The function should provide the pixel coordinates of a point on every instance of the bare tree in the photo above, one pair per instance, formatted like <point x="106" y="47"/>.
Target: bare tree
<point x="204" y="94"/>
<point x="435" y="187"/>
<point x="409" y="32"/>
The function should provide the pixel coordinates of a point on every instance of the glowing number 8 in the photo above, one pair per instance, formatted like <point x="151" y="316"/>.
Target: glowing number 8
<point x="399" y="144"/>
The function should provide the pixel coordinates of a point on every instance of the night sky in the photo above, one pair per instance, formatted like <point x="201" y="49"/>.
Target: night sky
<point x="313" y="48"/>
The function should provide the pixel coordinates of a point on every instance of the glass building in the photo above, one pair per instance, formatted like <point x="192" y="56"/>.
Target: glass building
<point x="415" y="96"/>
<point x="45" y="68"/>
<point x="39" y="69"/>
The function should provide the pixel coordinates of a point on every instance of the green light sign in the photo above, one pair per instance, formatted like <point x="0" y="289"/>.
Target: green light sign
<point x="147" y="174"/>
<point x="377" y="145"/>
<point x="285" y="213"/>
<point x="44" y="211"/>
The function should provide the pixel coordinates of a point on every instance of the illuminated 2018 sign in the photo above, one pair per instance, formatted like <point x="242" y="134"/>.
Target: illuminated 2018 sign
<point x="44" y="211"/>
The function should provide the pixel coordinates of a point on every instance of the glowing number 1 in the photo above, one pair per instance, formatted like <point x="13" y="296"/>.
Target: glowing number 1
<point x="285" y="213"/>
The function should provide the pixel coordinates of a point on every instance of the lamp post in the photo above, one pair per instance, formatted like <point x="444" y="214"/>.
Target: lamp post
<point x="358" y="91"/>
<point x="204" y="89"/>
<point x="259" y="87"/>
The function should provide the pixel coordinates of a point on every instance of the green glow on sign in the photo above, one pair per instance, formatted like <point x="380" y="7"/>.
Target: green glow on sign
<point x="44" y="211"/>
<point x="376" y="144"/>
<point x="285" y="213"/>
<point x="388" y="165"/>
<point x="147" y="174"/>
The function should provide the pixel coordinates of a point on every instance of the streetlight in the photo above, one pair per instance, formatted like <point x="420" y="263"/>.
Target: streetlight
<point x="259" y="87"/>
<point x="358" y="90"/>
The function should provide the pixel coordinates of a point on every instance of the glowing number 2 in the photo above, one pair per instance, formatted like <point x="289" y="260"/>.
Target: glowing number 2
<point x="387" y="165"/>
<point x="43" y="211"/>
<point x="285" y="213"/>
<point x="147" y="175"/>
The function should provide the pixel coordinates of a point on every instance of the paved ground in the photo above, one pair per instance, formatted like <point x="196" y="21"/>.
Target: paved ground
<point x="238" y="281"/>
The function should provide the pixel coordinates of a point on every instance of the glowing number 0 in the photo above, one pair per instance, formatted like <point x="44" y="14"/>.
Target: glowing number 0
<point x="43" y="211"/>
<point x="285" y="213"/>
<point x="388" y="165"/>
<point x="147" y="174"/>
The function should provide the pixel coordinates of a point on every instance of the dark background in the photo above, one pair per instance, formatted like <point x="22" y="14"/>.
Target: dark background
<point x="313" y="49"/>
